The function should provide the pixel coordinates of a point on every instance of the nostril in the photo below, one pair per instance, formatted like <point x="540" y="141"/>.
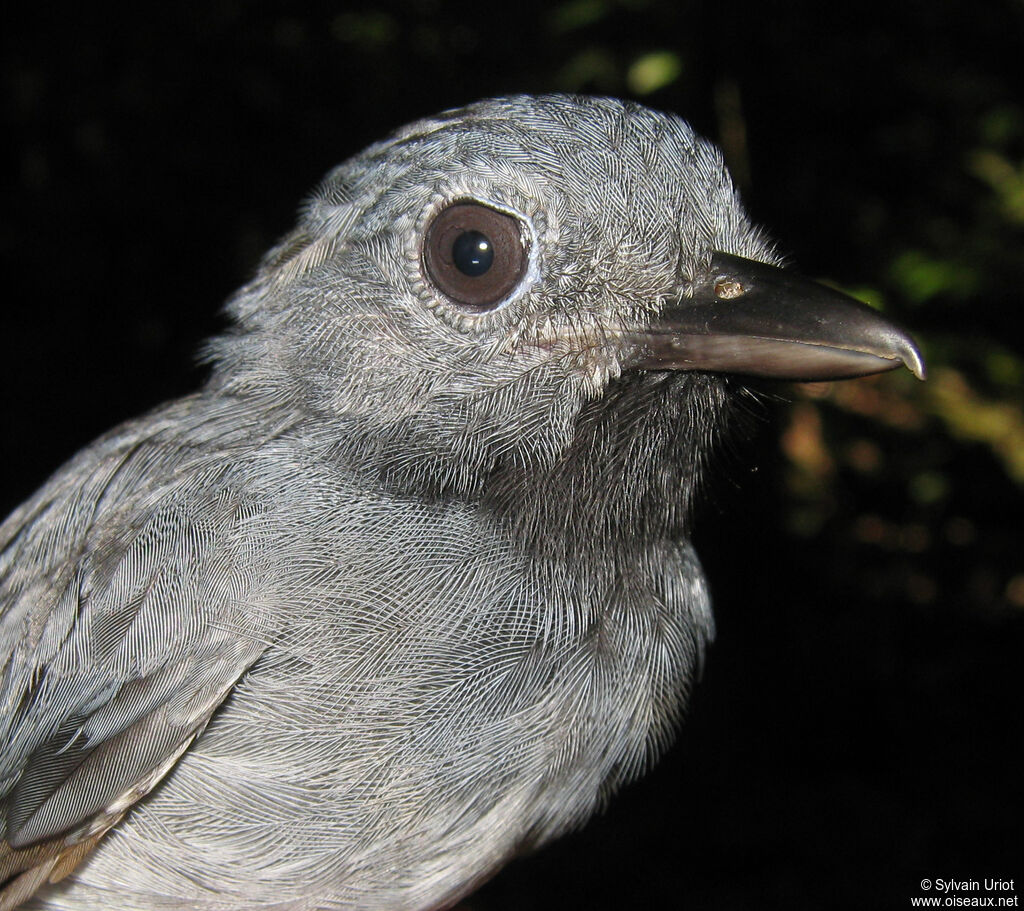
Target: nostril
<point x="728" y="289"/>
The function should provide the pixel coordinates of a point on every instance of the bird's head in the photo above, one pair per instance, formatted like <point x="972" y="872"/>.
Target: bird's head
<point x="527" y="283"/>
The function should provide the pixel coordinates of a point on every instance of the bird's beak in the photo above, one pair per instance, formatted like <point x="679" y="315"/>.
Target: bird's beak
<point x="751" y="318"/>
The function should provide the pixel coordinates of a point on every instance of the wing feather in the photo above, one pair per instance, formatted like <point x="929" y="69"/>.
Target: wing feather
<point x="129" y="606"/>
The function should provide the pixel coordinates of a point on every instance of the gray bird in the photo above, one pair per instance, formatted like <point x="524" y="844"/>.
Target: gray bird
<point x="406" y="588"/>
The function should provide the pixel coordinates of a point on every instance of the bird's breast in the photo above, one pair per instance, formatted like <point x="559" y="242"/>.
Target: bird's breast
<point x="430" y="683"/>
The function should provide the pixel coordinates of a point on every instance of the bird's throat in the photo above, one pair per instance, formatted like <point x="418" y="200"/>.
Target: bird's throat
<point x="629" y="475"/>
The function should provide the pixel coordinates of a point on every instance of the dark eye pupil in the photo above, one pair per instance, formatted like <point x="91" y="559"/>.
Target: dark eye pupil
<point x="472" y="253"/>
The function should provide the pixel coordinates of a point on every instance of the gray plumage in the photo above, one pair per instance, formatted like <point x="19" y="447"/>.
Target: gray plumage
<point x="425" y="564"/>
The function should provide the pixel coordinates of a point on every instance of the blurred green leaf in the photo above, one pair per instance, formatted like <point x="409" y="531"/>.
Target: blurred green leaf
<point x="921" y="276"/>
<point x="594" y="68"/>
<point x="1006" y="180"/>
<point x="578" y="14"/>
<point x="969" y="415"/>
<point x="653" y="71"/>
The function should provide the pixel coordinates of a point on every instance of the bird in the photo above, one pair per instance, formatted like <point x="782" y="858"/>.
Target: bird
<point x="406" y="588"/>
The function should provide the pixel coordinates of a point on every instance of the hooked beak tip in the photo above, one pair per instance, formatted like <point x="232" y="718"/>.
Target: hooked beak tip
<point x="912" y="359"/>
<point x="751" y="318"/>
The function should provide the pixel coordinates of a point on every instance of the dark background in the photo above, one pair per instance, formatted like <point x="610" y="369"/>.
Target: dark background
<point x="859" y="726"/>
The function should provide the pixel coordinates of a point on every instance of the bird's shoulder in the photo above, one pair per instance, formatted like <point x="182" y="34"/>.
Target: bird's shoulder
<point x="132" y="597"/>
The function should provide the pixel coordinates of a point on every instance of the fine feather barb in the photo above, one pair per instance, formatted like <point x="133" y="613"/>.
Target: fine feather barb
<point x="121" y="644"/>
<point x="23" y="872"/>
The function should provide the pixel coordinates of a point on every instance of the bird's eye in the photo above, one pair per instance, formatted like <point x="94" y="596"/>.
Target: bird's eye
<point x="474" y="254"/>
